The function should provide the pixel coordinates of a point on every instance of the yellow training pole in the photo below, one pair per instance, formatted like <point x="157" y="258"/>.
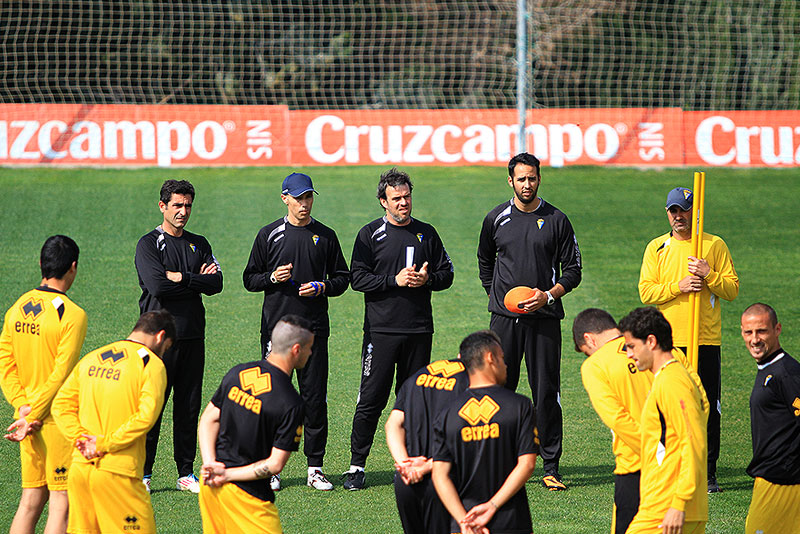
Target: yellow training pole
<point x="698" y="210"/>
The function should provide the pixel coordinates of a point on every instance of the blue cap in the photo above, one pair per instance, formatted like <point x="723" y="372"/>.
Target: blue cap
<point x="296" y="184"/>
<point x="681" y="197"/>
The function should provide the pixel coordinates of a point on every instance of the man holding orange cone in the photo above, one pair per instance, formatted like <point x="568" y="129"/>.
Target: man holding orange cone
<point x="528" y="242"/>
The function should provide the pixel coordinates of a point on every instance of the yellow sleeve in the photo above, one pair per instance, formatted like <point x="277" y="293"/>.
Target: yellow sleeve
<point x="653" y="290"/>
<point x="609" y="407"/>
<point x="65" y="408"/>
<point x="681" y="357"/>
<point x="9" y="377"/>
<point x="151" y="399"/>
<point x="67" y="353"/>
<point x="682" y="411"/>
<point x="722" y="280"/>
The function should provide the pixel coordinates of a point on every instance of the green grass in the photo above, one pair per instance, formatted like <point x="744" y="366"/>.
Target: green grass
<point x="615" y="213"/>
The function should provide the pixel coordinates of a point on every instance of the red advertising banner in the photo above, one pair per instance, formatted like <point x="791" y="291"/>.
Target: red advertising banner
<point x="133" y="135"/>
<point x="486" y="137"/>
<point x="173" y="135"/>
<point x="742" y="138"/>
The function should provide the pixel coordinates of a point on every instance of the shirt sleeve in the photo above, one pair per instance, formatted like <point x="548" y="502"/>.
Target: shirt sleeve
<point x="362" y="265"/>
<point x="153" y="274"/>
<point x="528" y="439"/>
<point x="682" y="411"/>
<point x="609" y="406"/>
<point x="151" y="399"/>
<point x="569" y="257"/>
<point x="337" y="271"/>
<point x="290" y="431"/>
<point x="487" y="254"/>
<point x="441" y="451"/>
<point x="440" y="269"/>
<point x="69" y="349"/>
<point x="722" y="280"/>
<point x="9" y="375"/>
<point x="65" y="408"/>
<point x="653" y="290"/>
<point x="207" y="284"/>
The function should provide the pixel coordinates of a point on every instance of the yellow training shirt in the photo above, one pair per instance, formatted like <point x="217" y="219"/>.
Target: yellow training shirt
<point x="115" y="393"/>
<point x="618" y="391"/>
<point x="674" y="448"/>
<point x="41" y="341"/>
<point x="665" y="263"/>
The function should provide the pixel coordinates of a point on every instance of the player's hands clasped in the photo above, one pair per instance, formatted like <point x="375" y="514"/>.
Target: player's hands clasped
<point x="214" y="474"/>
<point x="19" y="429"/>
<point x="477" y="518"/>
<point x="412" y="470"/>
<point x="87" y="446"/>
<point x="410" y="277"/>
<point x="311" y="289"/>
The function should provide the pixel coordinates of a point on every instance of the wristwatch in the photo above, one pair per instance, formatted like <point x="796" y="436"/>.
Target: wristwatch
<point x="272" y="278"/>
<point x="550" y="299"/>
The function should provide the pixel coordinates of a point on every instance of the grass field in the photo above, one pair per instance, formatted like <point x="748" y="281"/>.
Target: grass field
<point x="615" y="213"/>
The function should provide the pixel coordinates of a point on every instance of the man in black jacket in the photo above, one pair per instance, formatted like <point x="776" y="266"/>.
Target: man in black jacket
<point x="397" y="262"/>
<point x="176" y="268"/>
<point x="298" y="263"/>
<point x="528" y="242"/>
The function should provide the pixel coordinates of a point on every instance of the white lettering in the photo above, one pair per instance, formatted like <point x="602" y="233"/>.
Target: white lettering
<point x="480" y="145"/>
<point x="393" y="152"/>
<point x="438" y="143"/>
<point x="46" y="139"/>
<point x="18" y="146"/>
<point x="651" y="141"/>
<point x="111" y="131"/>
<point x="421" y="134"/>
<point x="558" y="155"/>
<point x="92" y="138"/>
<point x="219" y="140"/>
<point x="166" y="152"/>
<point x="785" y="140"/>
<point x="704" y="140"/>
<point x="592" y="144"/>
<point x="259" y="137"/>
<point x="3" y="139"/>
<point x="352" y="145"/>
<point x="742" y="136"/>
<point x="314" y="138"/>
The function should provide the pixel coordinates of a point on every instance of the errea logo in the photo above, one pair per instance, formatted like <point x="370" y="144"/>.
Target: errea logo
<point x="475" y="411"/>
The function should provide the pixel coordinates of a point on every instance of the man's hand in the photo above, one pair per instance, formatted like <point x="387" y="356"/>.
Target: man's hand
<point x="690" y="284"/>
<point x="410" y="277"/>
<point x="208" y="268"/>
<point x="214" y="474"/>
<point x="174" y="276"/>
<point x="87" y="446"/>
<point x="672" y="522"/>
<point x="19" y="429"/>
<point x="413" y="469"/>
<point x="479" y="516"/>
<point x="699" y="267"/>
<point x="311" y="289"/>
<point x="283" y="273"/>
<point x="537" y="300"/>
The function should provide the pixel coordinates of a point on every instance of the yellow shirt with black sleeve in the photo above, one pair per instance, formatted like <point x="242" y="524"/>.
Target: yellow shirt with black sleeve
<point x="115" y="393"/>
<point x="674" y="447"/>
<point x="617" y="391"/>
<point x="665" y="263"/>
<point x="41" y="341"/>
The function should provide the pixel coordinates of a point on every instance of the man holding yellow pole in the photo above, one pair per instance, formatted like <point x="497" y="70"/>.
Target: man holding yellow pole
<point x="669" y="275"/>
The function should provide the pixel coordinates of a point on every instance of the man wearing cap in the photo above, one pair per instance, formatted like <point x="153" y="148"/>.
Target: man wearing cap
<point x="298" y="263"/>
<point x="668" y="276"/>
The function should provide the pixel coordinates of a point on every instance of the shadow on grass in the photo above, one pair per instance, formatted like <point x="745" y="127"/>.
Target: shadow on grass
<point x="374" y="478"/>
<point x="580" y="475"/>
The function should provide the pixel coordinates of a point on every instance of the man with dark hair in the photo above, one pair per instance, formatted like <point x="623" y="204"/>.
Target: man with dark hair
<point x="397" y="263"/>
<point x="673" y="426"/>
<point x="176" y="268"/>
<point x="409" y="434"/>
<point x="298" y="263"/>
<point x="668" y="276"/>
<point x="255" y="411"/>
<point x="528" y="242"/>
<point x="105" y="408"/>
<point x="775" y="426"/>
<point x="41" y="340"/>
<point x="487" y="438"/>
<point x="617" y="391"/>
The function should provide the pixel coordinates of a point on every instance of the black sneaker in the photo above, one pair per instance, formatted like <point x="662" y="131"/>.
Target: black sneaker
<point x="713" y="487"/>
<point x="354" y="480"/>
<point x="552" y="481"/>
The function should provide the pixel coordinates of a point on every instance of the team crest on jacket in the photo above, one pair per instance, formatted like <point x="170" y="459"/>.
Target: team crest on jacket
<point x="32" y="308"/>
<point x="540" y="223"/>
<point x="796" y="404"/>
<point x="191" y="246"/>
<point x="315" y="239"/>
<point x="479" y="411"/>
<point x="419" y="237"/>
<point x="766" y="380"/>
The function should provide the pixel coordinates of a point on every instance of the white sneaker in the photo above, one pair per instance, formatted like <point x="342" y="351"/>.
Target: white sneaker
<point x="318" y="481"/>
<point x="189" y="483"/>
<point x="275" y="482"/>
<point x="146" y="482"/>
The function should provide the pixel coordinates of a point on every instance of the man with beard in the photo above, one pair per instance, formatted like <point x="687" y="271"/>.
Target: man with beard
<point x="397" y="262"/>
<point x="528" y="242"/>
